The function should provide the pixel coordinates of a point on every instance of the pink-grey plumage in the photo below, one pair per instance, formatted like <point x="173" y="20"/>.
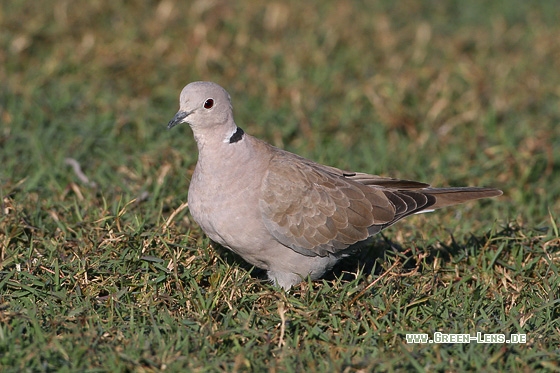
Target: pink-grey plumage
<point x="284" y="213"/>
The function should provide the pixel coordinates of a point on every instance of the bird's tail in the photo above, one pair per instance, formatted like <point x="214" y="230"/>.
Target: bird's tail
<point x="453" y="196"/>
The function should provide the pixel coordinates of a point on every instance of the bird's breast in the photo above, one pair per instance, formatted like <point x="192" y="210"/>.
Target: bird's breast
<point x="223" y="202"/>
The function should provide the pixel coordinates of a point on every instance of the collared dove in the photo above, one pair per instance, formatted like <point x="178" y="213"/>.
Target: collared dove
<point x="284" y="213"/>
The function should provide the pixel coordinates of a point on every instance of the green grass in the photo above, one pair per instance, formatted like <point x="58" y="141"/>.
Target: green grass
<point x="113" y="275"/>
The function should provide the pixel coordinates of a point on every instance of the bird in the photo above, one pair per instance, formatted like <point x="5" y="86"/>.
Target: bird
<point x="283" y="213"/>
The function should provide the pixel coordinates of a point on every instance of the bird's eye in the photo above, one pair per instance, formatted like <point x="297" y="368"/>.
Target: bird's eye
<point x="208" y="103"/>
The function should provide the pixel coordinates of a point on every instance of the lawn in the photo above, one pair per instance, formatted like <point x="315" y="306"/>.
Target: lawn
<point x="102" y="269"/>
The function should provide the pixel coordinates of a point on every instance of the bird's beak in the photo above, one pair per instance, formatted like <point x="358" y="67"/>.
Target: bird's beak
<point x="177" y="119"/>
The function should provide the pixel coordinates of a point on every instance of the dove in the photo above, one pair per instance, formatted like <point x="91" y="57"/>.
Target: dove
<point x="286" y="214"/>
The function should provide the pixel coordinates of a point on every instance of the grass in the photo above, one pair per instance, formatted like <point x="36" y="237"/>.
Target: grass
<point x="112" y="274"/>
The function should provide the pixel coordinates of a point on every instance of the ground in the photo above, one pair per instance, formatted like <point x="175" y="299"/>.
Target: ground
<point x="102" y="268"/>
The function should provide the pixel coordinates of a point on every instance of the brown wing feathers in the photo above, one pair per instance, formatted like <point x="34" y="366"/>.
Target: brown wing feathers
<point x="320" y="210"/>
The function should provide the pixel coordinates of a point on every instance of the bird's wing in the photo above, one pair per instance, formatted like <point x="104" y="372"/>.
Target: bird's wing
<point x="316" y="210"/>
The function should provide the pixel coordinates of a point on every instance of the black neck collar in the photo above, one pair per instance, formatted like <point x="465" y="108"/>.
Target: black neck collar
<point x="238" y="135"/>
